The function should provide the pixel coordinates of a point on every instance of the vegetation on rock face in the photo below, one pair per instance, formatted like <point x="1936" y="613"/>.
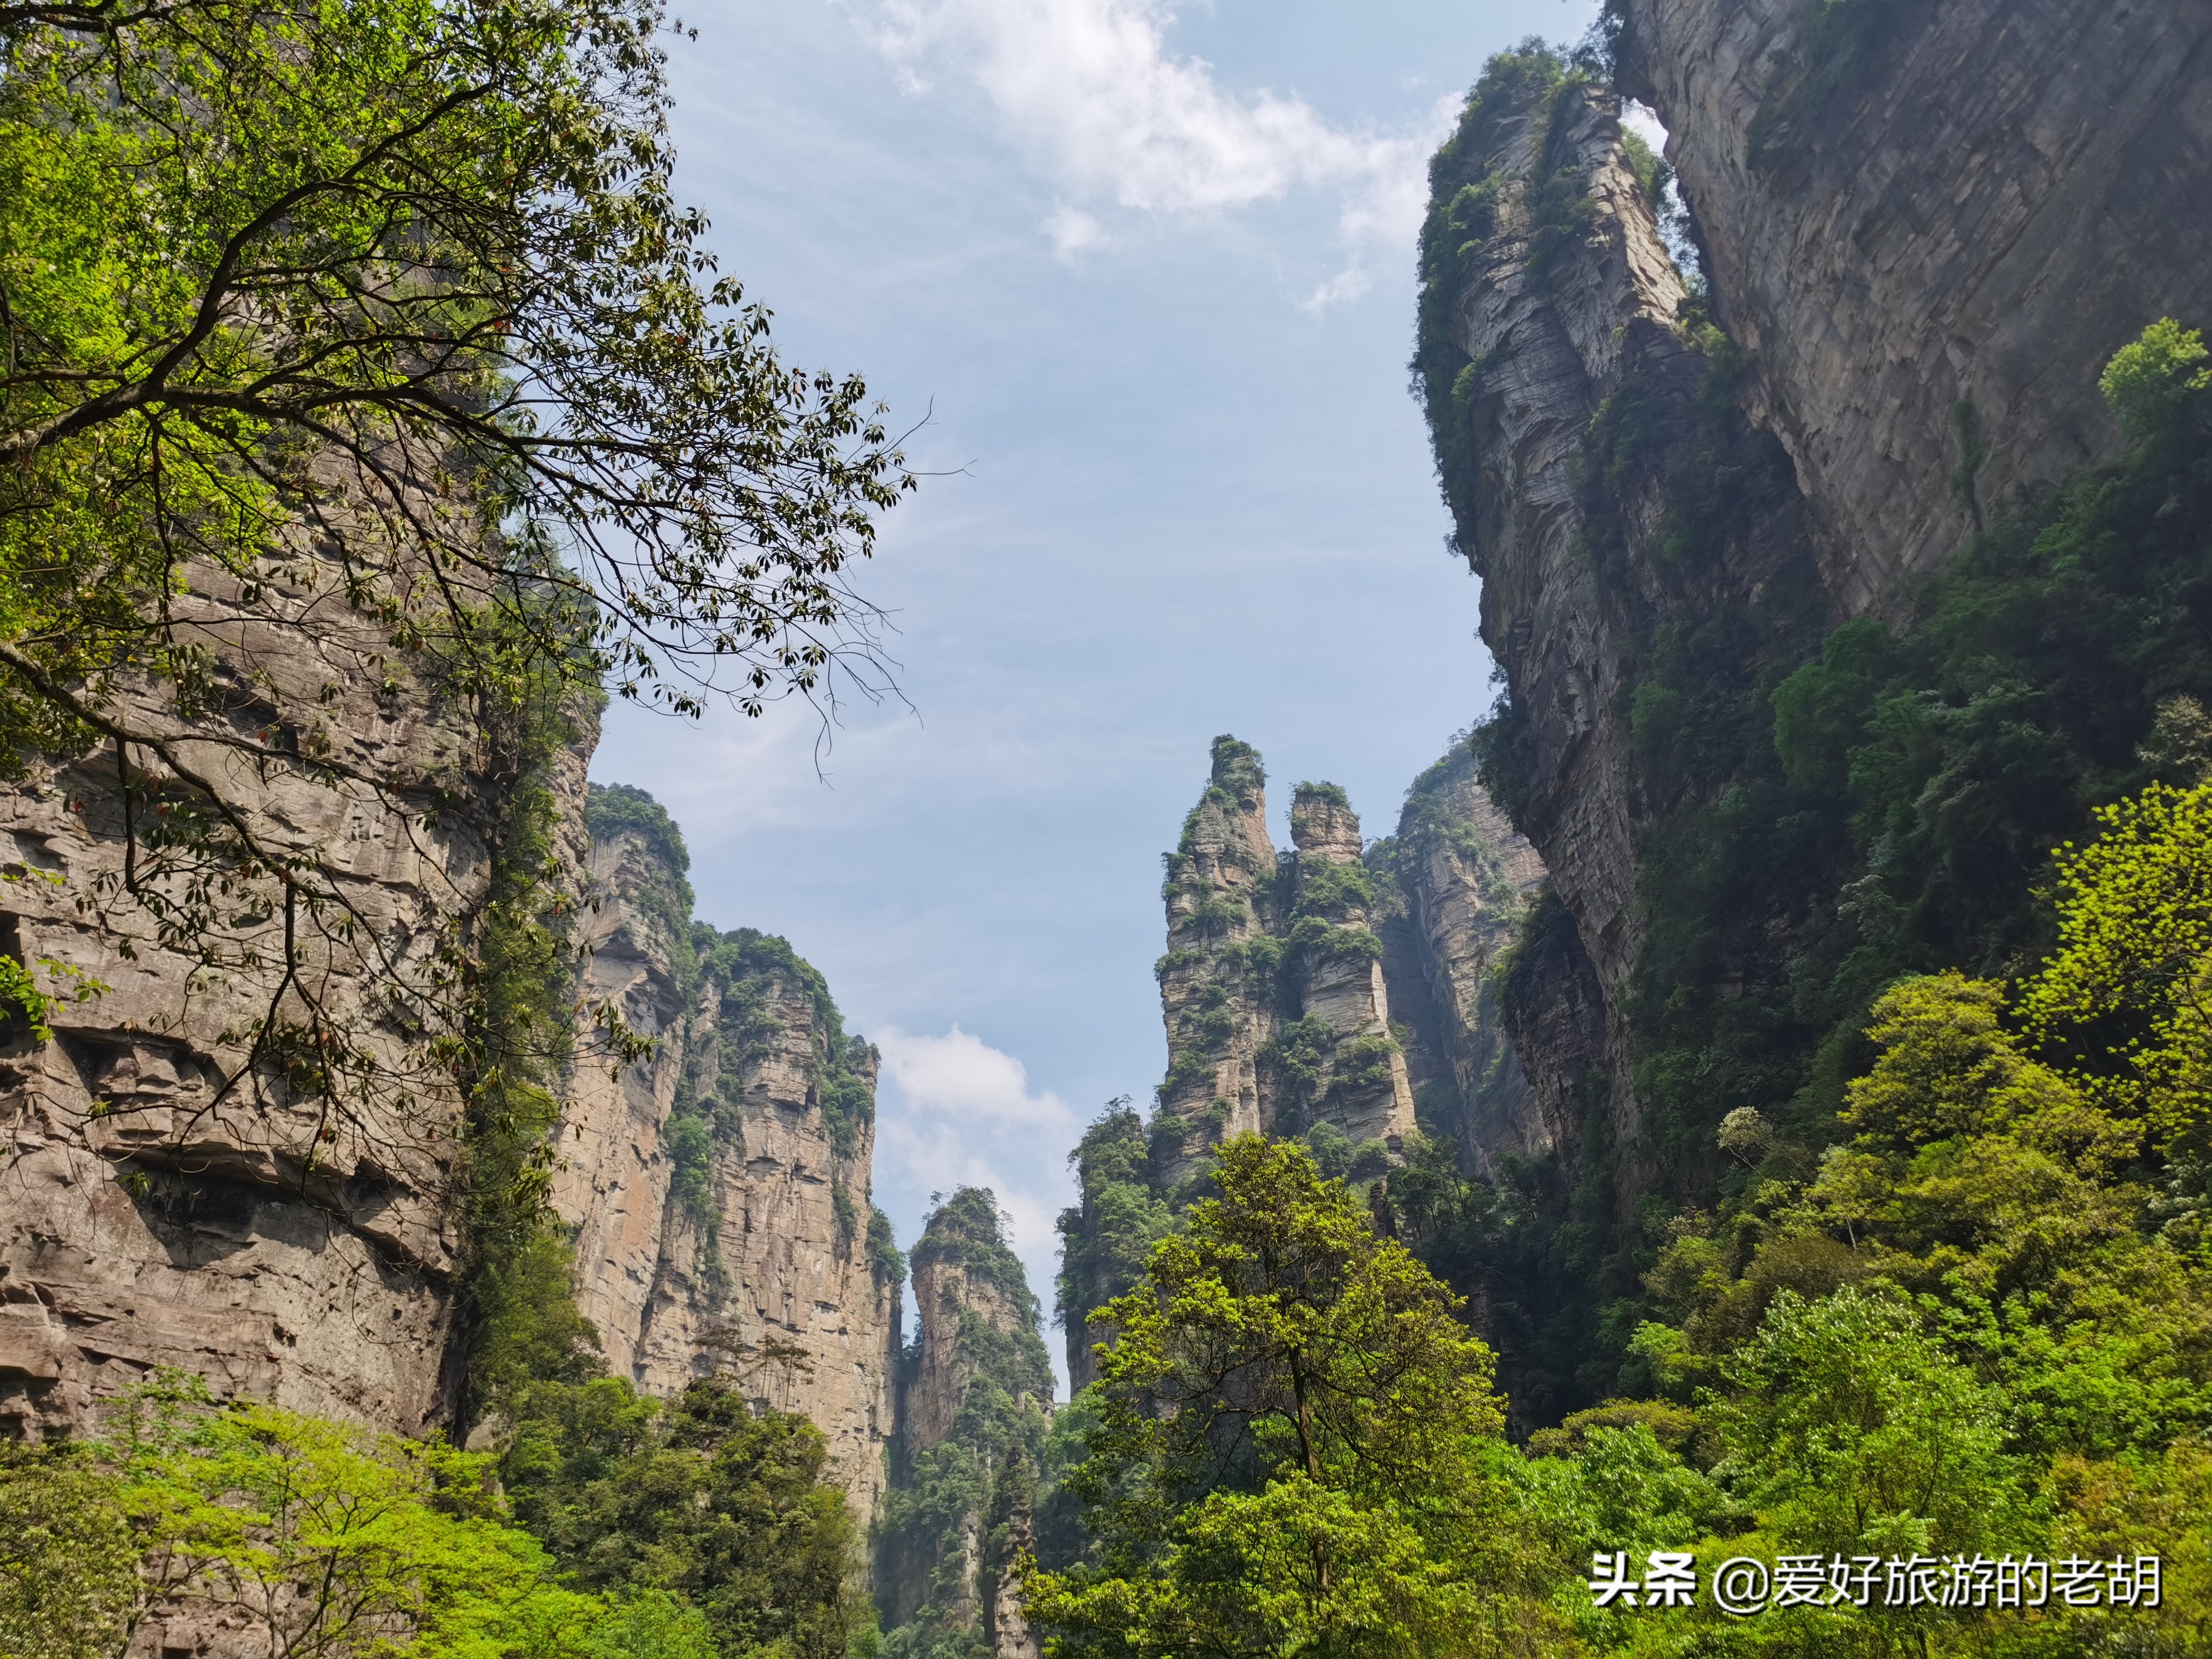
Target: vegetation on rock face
<point x="1288" y="1452"/>
<point x="1978" y="1325"/>
<point x="727" y="1508"/>
<point x="947" y="1530"/>
<point x="376" y="325"/>
<point x="1821" y="811"/>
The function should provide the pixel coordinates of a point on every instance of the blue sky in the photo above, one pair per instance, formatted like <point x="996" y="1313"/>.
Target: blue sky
<point x="1148" y="272"/>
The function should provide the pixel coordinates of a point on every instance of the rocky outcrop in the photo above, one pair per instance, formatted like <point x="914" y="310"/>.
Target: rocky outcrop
<point x="1611" y="494"/>
<point x="1929" y="224"/>
<point x="718" y="1190"/>
<point x="170" y="1194"/>
<point x="1277" y="1015"/>
<point x="1457" y="880"/>
<point x="975" y="1399"/>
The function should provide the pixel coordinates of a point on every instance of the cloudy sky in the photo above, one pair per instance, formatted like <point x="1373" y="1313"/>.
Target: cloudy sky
<point x="1146" y="273"/>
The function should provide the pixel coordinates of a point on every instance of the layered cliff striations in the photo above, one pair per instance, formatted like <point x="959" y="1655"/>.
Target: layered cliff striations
<point x="719" y="1190"/>
<point x="173" y="1194"/>
<point x="1633" y="530"/>
<point x="1456" y="880"/>
<point x="1929" y="223"/>
<point x="1924" y="228"/>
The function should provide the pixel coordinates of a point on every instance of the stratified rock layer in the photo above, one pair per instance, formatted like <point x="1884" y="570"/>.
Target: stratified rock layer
<point x="1579" y="400"/>
<point x="1929" y="223"/>
<point x="163" y="1200"/>
<point x="718" y="1190"/>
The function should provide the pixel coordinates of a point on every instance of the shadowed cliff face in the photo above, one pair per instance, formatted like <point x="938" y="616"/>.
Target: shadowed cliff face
<point x="719" y="1188"/>
<point x="1455" y="881"/>
<point x="1614" y="500"/>
<point x="1929" y="223"/>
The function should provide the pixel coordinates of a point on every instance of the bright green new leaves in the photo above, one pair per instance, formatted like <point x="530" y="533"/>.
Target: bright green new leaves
<point x="2134" y="964"/>
<point x="312" y="1537"/>
<point x="2155" y="379"/>
<point x="1856" y="1433"/>
<point x="1289" y="1454"/>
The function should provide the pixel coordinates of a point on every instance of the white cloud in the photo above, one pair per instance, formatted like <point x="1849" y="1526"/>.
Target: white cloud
<point x="956" y="1112"/>
<point x="1074" y="231"/>
<point x="1090" y="90"/>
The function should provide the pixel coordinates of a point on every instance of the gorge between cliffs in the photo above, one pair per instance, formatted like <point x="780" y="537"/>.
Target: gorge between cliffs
<point x="1748" y="1100"/>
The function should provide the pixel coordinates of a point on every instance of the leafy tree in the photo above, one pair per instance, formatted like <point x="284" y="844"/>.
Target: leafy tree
<point x="1288" y="1453"/>
<point x="2134" y="964"/>
<point x="730" y="1508"/>
<point x="319" y="1539"/>
<point x="69" y="1563"/>
<point x="376" y="326"/>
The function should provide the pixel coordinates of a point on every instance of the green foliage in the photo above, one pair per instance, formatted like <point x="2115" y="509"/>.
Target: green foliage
<point x="883" y="1248"/>
<point x="68" y="1562"/>
<point x="618" y="809"/>
<point x="1286" y="1452"/>
<point x="2157" y="383"/>
<point x="1464" y="196"/>
<point x="302" y="1535"/>
<point x="731" y="1509"/>
<point x="513" y="1062"/>
<point x="967" y="1482"/>
<point x="1237" y="770"/>
<point x="1107" y="1235"/>
<point x="376" y="325"/>
<point x="1654" y="174"/>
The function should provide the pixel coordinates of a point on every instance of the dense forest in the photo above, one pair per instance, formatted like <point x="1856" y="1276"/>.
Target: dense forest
<point x="378" y="326"/>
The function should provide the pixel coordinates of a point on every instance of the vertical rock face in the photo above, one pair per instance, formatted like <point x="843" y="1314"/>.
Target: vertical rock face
<point x="1458" y="879"/>
<point x="1929" y="223"/>
<point x="975" y="1396"/>
<point x="1569" y="399"/>
<point x="1277" y="1011"/>
<point x="163" y="1199"/>
<point x="1345" y="992"/>
<point x="1217" y="990"/>
<point x="718" y="1190"/>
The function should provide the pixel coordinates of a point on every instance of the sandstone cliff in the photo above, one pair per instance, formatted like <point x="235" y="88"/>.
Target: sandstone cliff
<point x="975" y="1399"/>
<point x="718" y="1190"/>
<point x="1618" y="508"/>
<point x="1929" y="223"/>
<point x="1344" y="993"/>
<point x="1271" y="988"/>
<point x="171" y="1196"/>
<point x="1924" y="226"/>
